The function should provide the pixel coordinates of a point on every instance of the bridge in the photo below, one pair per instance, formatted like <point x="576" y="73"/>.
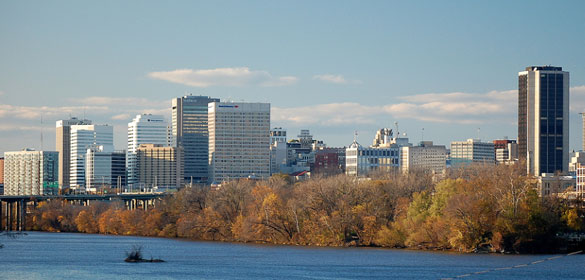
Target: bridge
<point x="13" y="208"/>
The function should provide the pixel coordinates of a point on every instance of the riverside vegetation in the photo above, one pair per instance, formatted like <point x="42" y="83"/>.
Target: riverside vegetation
<point x="479" y="208"/>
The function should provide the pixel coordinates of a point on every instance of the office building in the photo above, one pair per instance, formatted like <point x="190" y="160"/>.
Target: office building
<point x="278" y="150"/>
<point x="506" y="151"/>
<point x="82" y="138"/>
<point x="426" y="158"/>
<point x="382" y="156"/>
<point x="104" y="168"/>
<point x="189" y="130"/>
<point x="30" y="172"/>
<point x="239" y="140"/>
<point x="543" y="119"/>
<point x="144" y="129"/>
<point x="63" y="142"/>
<point x="329" y="161"/>
<point x="159" y="167"/>
<point x="472" y="151"/>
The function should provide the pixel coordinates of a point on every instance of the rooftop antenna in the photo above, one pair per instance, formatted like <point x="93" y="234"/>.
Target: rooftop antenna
<point x="397" y="132"/>
<point x="355" y="133"/>
<point x="41" y="131"/>
<point x="422" y="134"/>
<point x="478" y="133"/>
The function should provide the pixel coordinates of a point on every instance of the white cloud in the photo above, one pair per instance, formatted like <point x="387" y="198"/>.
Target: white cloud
<point x="35" y="112"/>
<point x="455" y="107"/>
<point x="117" y="101"/>
<point x="335" y="79"/>
<point x="122" y="117"/>
<point x="234" y="77"/>
<point x="327" y="114"/>
<point x="14" y="127"/>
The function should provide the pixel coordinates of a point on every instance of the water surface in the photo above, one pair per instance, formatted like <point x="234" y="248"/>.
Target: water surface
<point x="40" y="255"/>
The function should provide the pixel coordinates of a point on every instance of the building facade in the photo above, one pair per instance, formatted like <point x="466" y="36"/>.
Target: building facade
<point x="543" y="119"/>
<point x="472" y="151"/>
<point x="506" y="151"/>
<point x="361" y="161"/>
<point x="239" y="140"/>
<point x="426" y="158"/>
<point x="104" y="168"/>
<point x="159" y="167"/>
<point x="189" y="130"/>
<point x="82" y="138"/>
<point x="30" y="172"/>
<point x="329" y="161"/>
<point x="382" y="156"/>
<point x="278" y="151"/>
<point x="63" y="146"/>
<point x="144" y="129"/>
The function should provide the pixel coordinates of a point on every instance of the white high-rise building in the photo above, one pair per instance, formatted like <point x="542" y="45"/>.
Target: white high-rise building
<point x="63" y="142"/>
<point x="31" y="172"/>
<point x="82" y="138"/>
<point x="239" y="140"/>
<point x="144" y="129"/>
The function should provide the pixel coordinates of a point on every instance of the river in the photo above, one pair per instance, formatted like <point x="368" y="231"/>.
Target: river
<point x="40" y="255"/>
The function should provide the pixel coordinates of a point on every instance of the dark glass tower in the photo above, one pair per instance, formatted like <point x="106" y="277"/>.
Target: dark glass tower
<point x="543" y="119"/>
<point x="189" y="130"/>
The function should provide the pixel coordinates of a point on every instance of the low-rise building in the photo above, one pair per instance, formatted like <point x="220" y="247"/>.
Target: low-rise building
<point x="506" y="151"/>
<point x="559" y="185"/>
<point x="472" y="151"/>
<point x="382" y="156"/>
<point x="426" y="158"/>
<point x="329" y="161"/>
<point x="30" y="172"/>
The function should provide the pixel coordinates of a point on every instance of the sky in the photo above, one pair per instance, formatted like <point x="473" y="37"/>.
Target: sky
<point x="443" y="70"/>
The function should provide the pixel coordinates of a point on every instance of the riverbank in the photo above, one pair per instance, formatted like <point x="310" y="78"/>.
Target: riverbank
<point x="484" y="209"/>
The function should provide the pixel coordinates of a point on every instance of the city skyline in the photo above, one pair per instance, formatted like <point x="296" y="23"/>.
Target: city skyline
<point x="334" y="69"/>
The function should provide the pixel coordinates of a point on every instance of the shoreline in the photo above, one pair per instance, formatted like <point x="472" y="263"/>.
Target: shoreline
<point x="266" y="244"/>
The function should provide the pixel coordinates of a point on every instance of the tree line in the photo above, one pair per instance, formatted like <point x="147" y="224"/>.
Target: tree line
<point x="477" y="208"/>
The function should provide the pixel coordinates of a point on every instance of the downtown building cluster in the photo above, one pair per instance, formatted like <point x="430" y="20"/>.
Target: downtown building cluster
<point x="210" y="142"/>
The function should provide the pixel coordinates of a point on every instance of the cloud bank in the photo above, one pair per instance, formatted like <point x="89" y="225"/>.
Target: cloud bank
<point x="232" y="77"/>
<point x="335" y="79"/>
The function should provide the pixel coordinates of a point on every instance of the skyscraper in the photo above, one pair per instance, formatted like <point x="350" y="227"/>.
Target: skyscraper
<point x="63" y="142"/>
<point x="82" y="138"/>
<point x="543" y="119"/>
<point x="239" y="140"/>
<point x="189" y="130"/>
<point x="144" y="129"/>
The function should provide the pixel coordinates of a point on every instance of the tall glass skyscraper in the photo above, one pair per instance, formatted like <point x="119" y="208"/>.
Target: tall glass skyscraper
<point x="189" y="130"/>
<point x="543" y="119"/>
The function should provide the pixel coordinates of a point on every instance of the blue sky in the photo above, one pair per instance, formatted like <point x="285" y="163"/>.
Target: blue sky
<point x="334" y="67"/>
